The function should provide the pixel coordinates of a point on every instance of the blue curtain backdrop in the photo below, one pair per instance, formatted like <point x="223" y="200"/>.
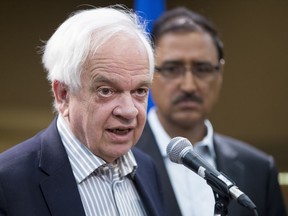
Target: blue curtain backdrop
<point x="149" y="11"/>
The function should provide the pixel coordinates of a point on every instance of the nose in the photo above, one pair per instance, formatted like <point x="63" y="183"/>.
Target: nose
<point x="188" y="82"/>
<point x="126" y="108"/>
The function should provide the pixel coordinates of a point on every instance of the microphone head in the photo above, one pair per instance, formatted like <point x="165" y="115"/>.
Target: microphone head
<point x="177" y="148"/>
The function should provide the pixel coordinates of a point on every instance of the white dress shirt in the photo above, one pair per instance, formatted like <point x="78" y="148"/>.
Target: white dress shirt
<point x="105" y="189"/>
<point x="194" y="196"/>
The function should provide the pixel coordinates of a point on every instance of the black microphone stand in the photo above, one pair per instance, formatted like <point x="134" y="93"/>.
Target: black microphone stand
<point x="221" y="204"/>
<point x="221" y="194"/>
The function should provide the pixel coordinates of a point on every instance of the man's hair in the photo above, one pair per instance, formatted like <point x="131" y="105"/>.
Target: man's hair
<point x="181" y="19"/>
<point x="84" y="32"/>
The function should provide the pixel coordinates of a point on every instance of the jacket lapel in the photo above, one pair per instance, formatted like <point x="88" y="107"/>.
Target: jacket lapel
<point x="228" y="163"/>
<point x="59" y="186"/>
<point x="145" y="195"/>
<point x="227" y="160"/>
<point x="148" y="144"/>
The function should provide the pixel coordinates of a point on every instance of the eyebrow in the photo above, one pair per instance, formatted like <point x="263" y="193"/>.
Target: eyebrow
<point x="173" y="62"/>
<point x="180" y="62"/>
<point x="104" y="79"/>
<point x="100" y="78"/>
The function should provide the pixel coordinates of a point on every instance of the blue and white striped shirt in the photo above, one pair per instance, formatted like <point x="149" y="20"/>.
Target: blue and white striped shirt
<point x="105" y="189"/>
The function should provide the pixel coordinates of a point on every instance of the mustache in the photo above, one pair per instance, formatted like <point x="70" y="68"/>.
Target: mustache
<point x="182" y="97"/>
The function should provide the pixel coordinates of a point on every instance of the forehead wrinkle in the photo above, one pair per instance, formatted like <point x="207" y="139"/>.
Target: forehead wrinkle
<point x="114" y="65"/>
<point x="117" y="68"/>
<point x="193" y="44"/>
<point x="123" y="66"/>
<point x="113" y="81"/>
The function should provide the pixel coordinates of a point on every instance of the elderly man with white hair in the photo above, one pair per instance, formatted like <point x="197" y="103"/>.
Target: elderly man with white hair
<point x="100" y="66"/>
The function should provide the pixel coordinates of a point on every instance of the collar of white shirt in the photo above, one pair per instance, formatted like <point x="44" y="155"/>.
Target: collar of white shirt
<point x="83" y="161"/>
<point x="163" y="138"/>
<point x="193" y="194"/>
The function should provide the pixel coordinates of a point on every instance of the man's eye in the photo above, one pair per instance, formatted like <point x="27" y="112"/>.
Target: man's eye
<point x="204" y="69"/>
<point x="141" y="92"/>
<point x="172" y="69"/>
<point x="104" y="91"/>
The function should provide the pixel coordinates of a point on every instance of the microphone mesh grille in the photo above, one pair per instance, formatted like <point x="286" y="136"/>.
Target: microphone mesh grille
<point x="177" y="147"/>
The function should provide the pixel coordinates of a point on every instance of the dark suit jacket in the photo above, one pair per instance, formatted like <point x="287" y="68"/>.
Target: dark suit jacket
<point x="253" y="171"/>
<point x="36" y="179"/>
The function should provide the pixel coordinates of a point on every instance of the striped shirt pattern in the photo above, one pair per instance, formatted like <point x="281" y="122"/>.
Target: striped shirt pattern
<point x="105" y="189"/>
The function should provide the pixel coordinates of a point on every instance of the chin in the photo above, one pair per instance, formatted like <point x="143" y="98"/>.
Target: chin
<point x="121" y="150"/>
<point x="187" y="117"/>
<point x="187" y="121"/>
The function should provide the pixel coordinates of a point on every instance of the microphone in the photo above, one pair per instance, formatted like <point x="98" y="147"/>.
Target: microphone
<point x="180" y="151"/>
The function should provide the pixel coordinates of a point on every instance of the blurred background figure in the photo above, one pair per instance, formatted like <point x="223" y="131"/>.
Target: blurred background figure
<point x="188" y="78"/>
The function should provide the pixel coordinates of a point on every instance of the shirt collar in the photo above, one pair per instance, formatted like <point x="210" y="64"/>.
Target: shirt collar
<point x="83" y="161"/>
<point x="208" y="139"/>
<point x="163" y="138"/>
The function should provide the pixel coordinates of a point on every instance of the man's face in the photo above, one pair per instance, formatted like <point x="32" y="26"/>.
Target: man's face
<point x="185" y="100"/>
<point x="109" y="112"/>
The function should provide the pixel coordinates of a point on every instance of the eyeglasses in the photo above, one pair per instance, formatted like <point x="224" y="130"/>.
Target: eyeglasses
<point x="175" y="69"/>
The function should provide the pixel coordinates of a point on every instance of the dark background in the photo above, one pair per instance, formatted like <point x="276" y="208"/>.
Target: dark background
<point x="253" y="105"/>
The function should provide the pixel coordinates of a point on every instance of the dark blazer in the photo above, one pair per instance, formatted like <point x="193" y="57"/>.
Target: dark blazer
<point x="36" y="179"/>
<point x="253" y="171"/>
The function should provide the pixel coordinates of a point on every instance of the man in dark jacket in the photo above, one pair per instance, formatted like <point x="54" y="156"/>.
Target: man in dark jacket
<point x="100" y="65"/>
<point x="187" y="81"/>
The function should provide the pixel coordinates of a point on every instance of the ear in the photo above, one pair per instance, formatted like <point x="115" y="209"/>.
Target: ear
<point x="61" y="94"/>
<point x="222" y="64"/>
<point x="221" y="70"/>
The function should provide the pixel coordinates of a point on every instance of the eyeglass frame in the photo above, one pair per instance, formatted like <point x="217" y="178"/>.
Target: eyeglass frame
<point x="180" y="65"/>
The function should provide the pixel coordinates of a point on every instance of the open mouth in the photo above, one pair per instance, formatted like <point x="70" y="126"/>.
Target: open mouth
<point x="120" y="131"/>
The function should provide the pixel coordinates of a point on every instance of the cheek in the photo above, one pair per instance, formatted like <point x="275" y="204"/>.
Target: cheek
<point x="98" y="114"/>
<point x="141" y="117"/>
<point x="212" y="92"/>
<point x="75" y="113"/>
<point x="142" y="109"/>
<point x="138" y="131"/>
<point x="96" y="119"/>
<point x="161" y="91"/>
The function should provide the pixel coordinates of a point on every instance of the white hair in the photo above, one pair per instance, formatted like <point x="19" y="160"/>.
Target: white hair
<point x="67" y="49"/>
